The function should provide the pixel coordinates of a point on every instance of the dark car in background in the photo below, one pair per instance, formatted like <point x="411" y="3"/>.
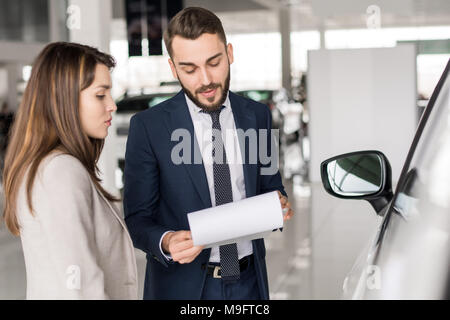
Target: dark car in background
<point x="128" y="105"/>
<point x="409" y="257"/>
<point x="133" y="104"/>
<point x="136" y="103"/>
<point x="286" y="116"/>
<point x="264" y="96"/>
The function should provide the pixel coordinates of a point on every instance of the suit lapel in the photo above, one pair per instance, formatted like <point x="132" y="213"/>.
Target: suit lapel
<point x="245" y="119"/>
<point x="112" y="207"/>
<point x="180" y="118"/>
<point x="116" y="212"/>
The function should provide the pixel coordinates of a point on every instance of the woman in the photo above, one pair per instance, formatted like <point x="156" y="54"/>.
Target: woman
<point x="75" y="243"/>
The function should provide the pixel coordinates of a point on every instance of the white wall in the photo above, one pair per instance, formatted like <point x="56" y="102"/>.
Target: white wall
<point x="91" y="26"/>
<point x="362" y="99"/>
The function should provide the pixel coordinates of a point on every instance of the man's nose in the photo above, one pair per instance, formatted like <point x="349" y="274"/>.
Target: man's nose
<point x="206" y="78"/>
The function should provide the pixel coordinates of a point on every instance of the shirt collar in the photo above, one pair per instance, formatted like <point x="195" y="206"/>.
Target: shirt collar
<point x="193" y="107"/>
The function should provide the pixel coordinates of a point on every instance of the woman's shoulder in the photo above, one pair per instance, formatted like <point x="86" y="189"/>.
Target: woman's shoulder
<point x="63" y="167"/>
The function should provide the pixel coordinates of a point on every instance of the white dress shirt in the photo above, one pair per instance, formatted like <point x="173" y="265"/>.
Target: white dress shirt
<point x="203" y="132"/>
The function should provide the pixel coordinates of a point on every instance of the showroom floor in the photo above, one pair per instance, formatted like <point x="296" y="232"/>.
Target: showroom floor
<point x="308" y="260"/>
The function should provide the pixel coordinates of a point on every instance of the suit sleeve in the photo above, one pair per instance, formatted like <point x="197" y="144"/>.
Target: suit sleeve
<point x="141" y="192"/>
<point x="62" y="202"/>
<point x="270" y="178"/>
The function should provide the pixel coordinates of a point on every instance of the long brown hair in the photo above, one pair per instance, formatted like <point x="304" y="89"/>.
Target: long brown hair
<point x="48" y="119"/>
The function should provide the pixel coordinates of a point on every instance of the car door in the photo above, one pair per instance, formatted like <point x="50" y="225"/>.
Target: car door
<point x="410" y="257"/>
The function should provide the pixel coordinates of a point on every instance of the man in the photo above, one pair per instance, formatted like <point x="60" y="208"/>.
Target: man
<point x="160" y="191"/>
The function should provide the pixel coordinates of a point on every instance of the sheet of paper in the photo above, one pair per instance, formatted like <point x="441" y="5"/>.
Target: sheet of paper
<point x="248" y="219"/>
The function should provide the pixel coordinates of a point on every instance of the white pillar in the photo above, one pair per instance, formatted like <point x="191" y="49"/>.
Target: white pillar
<point x="322" y="37"/>
<point x="57" y="16"/>
<point x="284" y="18"/>
<point x="89" y="22"/>
<point x="95" y="18"/>
<point x="13" y="79"/>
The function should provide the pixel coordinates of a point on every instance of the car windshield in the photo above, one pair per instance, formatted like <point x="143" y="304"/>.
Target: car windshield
<point x="139" y="103"/>
<point x="156" y="100"/>
<point x="257" y="95"/>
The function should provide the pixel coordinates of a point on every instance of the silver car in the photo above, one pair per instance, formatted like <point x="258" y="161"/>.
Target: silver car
<point x="409" y="258"/>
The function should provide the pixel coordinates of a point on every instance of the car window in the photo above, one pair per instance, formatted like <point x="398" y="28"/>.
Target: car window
<point x="140" y="103"/>
<point x="156" y="100"/>
<point x="427" y="181"/>
<point x="257" y="95"/>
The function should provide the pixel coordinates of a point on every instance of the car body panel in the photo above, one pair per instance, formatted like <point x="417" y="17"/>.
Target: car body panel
<point x="409" y="255"/>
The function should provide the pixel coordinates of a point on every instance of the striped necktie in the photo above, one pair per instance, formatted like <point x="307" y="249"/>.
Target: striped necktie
<point x="229" y="259"/>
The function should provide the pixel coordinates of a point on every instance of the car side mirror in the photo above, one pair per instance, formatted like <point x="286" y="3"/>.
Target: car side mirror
<point x="359" y="175"/>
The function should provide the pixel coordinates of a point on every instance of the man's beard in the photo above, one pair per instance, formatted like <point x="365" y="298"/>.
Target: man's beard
<point x="211" y="86"/>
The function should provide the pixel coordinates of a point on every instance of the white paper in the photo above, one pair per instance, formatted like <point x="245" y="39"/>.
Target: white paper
<point x="247" y="219"/>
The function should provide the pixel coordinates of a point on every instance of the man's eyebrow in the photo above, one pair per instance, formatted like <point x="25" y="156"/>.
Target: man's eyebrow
<point x="214" y="56"/>
<point x="193" y="64"/>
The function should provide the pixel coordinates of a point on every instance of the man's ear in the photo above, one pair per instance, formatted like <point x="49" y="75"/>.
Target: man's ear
<point x="230" y="53"/>
<point x="172" y="67"/>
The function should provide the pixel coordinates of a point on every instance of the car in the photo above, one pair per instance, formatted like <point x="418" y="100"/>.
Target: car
<point x="409" y="256"/>
<point x="262" y="95"/>
<point x="288" y="118"/>
<point x="133" y="104"/>
<point x="128" y="105"/>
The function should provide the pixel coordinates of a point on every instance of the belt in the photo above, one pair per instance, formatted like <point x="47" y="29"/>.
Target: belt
<point x="214" y="270"/>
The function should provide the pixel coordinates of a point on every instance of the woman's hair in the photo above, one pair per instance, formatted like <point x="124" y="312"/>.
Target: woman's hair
<point x="48" y="118"/>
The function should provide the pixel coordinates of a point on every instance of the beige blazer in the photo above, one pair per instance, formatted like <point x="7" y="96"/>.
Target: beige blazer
<point x="77" y="245"/>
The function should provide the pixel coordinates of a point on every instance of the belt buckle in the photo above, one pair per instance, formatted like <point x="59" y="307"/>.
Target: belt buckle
<point x="216" y="274"/>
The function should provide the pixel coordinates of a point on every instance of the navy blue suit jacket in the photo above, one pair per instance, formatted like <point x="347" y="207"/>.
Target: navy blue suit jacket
<point x="159" y="194"/>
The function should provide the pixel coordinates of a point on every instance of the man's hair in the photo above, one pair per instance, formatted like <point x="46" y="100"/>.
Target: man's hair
<point x="191" y="23"/>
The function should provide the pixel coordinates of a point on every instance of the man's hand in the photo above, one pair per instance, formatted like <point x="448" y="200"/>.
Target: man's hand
<point x="180" y="246"/>
<point x="285" y="205"/>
